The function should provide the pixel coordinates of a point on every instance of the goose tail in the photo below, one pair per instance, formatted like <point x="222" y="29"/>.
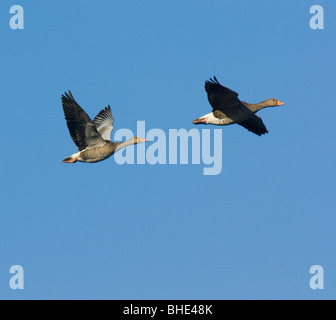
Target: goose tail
<point x="71" y="159"/>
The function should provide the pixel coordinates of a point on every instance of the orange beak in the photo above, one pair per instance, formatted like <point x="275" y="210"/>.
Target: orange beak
<point x="280" y="103"/>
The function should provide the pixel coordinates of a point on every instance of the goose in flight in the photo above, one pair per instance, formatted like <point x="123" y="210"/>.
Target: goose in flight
<point x="91" y="137"/>
<point x="228" y="109"/>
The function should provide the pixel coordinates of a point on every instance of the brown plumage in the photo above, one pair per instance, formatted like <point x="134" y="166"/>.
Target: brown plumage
<point x="91" y="137"/>
<point x="228" y="109"/>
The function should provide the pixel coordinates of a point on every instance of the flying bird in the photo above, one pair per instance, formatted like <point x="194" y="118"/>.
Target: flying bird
<point x="93" y="138"/>
<point x="228" y="109"/>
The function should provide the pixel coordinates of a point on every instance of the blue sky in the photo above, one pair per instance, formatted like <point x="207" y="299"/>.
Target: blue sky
<point x="109" y="231"/>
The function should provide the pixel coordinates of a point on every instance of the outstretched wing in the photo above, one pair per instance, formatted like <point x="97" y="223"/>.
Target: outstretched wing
<point x="83" y="132"/>
<point x="254" y="124"/>
<point x="104" y="123"/>
<point x="219" y="96"/>
<point x="226" y="101"/>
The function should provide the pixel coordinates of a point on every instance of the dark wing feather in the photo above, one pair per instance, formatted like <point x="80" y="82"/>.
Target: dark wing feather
<point x="83" y="132"/>
<point x="255" y="125"/>
<point x="104" y="123"/>
<point x="246" y="118"/>
<point x="219" y="96"/>
<point x="226" y="101"/>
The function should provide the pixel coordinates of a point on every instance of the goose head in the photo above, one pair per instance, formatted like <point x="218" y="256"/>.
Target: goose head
<point x="137" y="140"/>
<point x="272" y="103"/>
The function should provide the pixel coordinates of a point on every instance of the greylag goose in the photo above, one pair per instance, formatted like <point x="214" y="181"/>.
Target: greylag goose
<point x="228" y="109"/>
<point x="91" y="137"/>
